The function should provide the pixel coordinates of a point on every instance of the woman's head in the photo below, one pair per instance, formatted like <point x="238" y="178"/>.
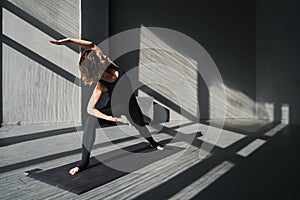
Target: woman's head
<point x="91" y="67"/>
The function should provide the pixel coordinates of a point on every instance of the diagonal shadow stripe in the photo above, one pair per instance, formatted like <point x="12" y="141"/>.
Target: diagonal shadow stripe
<point x="20" y="165"/>
<point x="49" y="65"/>
<point x="6" y="141"/>
<point x="36" y="23"/>
<point x="57" y="155"/>
<point x="39" y="135"/>
<point x="232" y="149"/>
<point x="14" y="140"/>
<point x="186" y="178"/>
<point x="181" y="180"/>
<point x="34" y="136"/>
<point x="99" y="173"/>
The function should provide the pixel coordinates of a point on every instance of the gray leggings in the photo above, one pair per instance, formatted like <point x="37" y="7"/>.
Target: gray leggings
<point x="134" y="116"/>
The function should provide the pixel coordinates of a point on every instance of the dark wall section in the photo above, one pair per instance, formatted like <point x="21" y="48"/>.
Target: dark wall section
<point x="95" y="16"/>
<point x="1" y="103"/>
<point x="226" y="29"/>
<point x="278" y="60"/>
<point x="121" y="18"/>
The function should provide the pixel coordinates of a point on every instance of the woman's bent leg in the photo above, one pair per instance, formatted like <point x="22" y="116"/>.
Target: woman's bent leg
<point x="136" y="118"/>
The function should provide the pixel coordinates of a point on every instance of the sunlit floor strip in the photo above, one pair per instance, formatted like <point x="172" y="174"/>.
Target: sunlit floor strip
<point x="246" y="151"/>
<point x="135" y="184"/>
<point x="275" y="130"/>
<point x="220" y="137"/>
<point x="196" y="187"/>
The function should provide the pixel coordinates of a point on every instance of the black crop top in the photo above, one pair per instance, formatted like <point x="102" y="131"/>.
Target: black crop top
<point x="110" y="86"/>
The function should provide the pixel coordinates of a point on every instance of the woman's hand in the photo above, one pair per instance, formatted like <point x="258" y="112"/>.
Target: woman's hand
<point x="61" y="42"/>
<point x="114" y="119"/>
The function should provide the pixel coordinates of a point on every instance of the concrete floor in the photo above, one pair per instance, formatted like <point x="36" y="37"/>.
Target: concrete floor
<point x="249" y="159"/>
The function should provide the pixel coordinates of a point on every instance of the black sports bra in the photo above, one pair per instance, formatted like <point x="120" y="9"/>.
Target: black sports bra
<point x="110" y="86"/>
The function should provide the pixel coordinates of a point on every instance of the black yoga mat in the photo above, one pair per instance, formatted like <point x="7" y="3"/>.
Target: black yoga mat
<point x="98" y="173"/>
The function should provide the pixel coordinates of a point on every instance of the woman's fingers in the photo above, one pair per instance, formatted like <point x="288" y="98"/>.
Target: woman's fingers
<point x="53" y="41"/>
<point x="60" y="42"/>
<point x="114" y="119"/>
<point x="57" y="42"/>
<point x="119" y="120"/>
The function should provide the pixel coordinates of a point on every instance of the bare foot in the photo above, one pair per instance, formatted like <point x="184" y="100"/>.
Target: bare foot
<point x="160" y="147"/>
<point x="74" y="171"/>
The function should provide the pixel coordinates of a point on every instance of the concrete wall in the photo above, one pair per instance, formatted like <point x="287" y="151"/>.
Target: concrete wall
<point x="226" y="29"/>
<point x="277" y="71"/>
<point x="95" y="27"/>
<point x="39" y="80"/>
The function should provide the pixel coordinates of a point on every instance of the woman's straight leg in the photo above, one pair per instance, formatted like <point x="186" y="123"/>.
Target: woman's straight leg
<point x="88" y="140"/>
<point x="89" y="135"/>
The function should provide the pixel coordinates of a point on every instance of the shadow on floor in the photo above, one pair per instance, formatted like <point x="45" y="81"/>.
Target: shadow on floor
<point x="98" y="173"/>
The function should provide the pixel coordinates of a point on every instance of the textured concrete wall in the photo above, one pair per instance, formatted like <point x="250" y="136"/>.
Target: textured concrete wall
<point x="226" y="30"/>
<point x="38" y="79"/>
<point x="95" y="27"/>
<point x="169" y="73"/>
<point x="277" y="71"/>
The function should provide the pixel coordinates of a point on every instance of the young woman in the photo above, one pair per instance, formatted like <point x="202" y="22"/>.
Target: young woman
<point x="97" y="68"/>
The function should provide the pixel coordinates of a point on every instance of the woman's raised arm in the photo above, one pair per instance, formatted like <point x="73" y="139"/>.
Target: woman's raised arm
<point x="82" y="43"/>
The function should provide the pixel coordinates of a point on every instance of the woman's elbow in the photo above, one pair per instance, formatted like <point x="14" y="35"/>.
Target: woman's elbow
<point x="90" y="111"/>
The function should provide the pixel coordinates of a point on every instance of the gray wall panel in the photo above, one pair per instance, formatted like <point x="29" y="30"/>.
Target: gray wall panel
<point x="95" y="27"/>
<point x="38" y="77"/>
<point x="61" y="15"/>
<point x="277" y="72"/>
<point x="226" y="30"/>
<point x="33" y="94"/>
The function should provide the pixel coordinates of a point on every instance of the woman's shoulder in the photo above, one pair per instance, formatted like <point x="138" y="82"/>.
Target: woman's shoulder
<point x="101" y="86"/>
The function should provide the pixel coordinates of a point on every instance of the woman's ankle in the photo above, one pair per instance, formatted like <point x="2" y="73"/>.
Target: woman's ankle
<point x="83" y="166"/>
<point x="152" y="142"/>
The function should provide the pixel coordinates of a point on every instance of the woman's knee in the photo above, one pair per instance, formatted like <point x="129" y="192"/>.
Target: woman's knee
<point x="91" y="122"/>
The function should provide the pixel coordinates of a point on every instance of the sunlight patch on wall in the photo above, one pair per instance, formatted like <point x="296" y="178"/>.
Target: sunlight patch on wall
<point x="61" y="15"/>
<point x="265" y="111"/>
<point x="37" y="41"/>
<point x="177" y="73"/>
<point x="32" y="92"/>
<point x="285" y="114"/>
<point x="238" y="104"/>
